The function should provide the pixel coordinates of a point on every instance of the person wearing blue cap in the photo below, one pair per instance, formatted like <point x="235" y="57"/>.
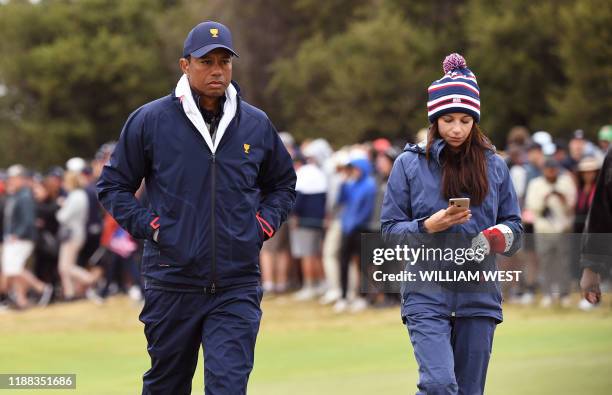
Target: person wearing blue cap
<point x="219" y="183"/>
<point x="451" y="325"/>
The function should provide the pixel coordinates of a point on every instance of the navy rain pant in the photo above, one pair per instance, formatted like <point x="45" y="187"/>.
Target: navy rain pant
<point x="225" y="324"/>
<point x="453" y="354"/>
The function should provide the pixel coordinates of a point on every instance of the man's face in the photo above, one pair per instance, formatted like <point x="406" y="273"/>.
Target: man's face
<point x="40" y="192"/>
<point x="576" y="148"/>
<point x="384" y="165"/>
<point x="14" y="184"/>
<point x="211" y="74"/>
<point x="535" y="156"/>
<point x="551" y="173"/>
<point x="53" y="184"/>
<point x="355" y="173"/>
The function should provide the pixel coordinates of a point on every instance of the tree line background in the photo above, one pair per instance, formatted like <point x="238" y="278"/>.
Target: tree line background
<point x="71" y="71"/>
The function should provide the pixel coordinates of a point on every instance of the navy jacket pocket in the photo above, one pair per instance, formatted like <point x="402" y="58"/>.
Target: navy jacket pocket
<point x="178" y="235"/>
<point x="247" y="235"/>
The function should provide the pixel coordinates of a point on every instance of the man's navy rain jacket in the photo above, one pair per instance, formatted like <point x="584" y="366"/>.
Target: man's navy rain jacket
<point x="215" y="210"/>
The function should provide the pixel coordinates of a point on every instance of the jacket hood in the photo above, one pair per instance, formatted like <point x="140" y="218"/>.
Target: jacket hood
<point x="364" y="165"/>
<point x="420" y="148"/>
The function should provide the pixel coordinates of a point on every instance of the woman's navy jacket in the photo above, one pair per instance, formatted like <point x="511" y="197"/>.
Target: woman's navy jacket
<point x="413" y="194"/>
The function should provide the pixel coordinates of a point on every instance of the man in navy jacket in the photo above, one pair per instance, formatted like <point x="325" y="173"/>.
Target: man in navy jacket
<point x="220" y="183"/>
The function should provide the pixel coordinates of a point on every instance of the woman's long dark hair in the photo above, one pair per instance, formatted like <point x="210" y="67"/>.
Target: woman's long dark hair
<point x="464" y="171"/>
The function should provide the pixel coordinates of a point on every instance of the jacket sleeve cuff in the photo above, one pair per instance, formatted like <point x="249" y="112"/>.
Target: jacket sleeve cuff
<point x="153" y="229"/>
<point x="267" y="229"/>
<point x="421" y="224"/>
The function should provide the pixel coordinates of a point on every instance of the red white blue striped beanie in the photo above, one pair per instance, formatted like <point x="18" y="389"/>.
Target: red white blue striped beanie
<point x="456" y="91"/>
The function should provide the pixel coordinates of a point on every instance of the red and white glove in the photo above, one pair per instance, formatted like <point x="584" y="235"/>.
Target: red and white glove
<point x="494" y="240"/>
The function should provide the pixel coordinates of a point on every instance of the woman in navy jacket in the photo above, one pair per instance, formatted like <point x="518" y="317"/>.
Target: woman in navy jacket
<point x="451" y="329"/>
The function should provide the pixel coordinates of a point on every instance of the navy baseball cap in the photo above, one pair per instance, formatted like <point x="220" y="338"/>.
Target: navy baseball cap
<point x="207" y="36"/>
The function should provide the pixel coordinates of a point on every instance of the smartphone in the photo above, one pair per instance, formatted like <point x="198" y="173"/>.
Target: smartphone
<point x="459" y="204"/>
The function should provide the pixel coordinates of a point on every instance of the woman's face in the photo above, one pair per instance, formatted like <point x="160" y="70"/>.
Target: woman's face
<point x="589" y="177"/>
<point x="455" y="128"/>
<point x="40" y="192"/>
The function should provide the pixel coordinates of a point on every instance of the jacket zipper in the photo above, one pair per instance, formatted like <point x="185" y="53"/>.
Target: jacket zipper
<point x="212" y="223"/>
<point x="213" y="286"/>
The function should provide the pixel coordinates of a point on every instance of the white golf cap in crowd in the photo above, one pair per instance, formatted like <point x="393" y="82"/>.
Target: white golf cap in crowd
<point x="76" y="164"/>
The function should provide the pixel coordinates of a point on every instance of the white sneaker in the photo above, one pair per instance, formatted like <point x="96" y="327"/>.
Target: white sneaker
<point x="305" y="294"/>
<point x="546" y="301"/>
<point x="341" y="306"/>
<point x="584" y="305"/>
<point x="134" y="293"/>
<point x="93" y="296"/>
<point x="358" y="305"/>
<point x="331" y="296"/>
<point x="268" y="287"/>
<point x="45" y="296"/>
<point x="320" y="289"/>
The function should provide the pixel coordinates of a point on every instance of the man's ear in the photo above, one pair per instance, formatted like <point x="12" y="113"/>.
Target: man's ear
<point x="184" y="65"/>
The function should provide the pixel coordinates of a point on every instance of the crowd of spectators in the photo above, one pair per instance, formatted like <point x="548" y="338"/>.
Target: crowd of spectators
<point x="59" y="245"/>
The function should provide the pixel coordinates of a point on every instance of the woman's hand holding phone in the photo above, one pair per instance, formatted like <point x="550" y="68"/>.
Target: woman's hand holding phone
<point x="446" y="218"/>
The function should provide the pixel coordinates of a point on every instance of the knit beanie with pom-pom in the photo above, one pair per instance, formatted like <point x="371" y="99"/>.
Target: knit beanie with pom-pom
<point x="456" y="91"/>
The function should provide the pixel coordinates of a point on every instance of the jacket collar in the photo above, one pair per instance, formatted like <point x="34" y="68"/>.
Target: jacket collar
<point x="192" y="111"/>
<point x="435" y="150"/>
<point x="209" y="116"/>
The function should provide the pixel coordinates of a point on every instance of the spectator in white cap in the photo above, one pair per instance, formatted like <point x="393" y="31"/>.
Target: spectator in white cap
<point x="76" y="164"/>
<point x="333" y="234"/>
<point x="546" y="142"/>
<point x="72" y="217"/>
<point x="308" y="215"/>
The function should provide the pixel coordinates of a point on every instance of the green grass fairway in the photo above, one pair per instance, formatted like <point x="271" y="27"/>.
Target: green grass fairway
<point x="306" y="349"/>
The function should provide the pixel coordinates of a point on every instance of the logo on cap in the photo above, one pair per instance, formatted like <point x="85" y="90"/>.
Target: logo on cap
<point x="456" y="100"/>
<point x="214" y="33"/>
